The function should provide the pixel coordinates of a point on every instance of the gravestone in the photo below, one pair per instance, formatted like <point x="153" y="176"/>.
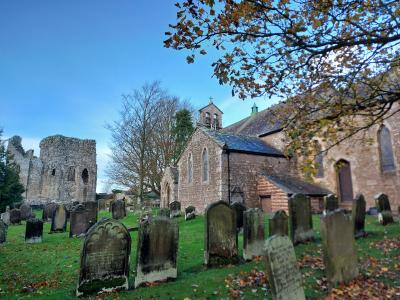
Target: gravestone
<point x="15" y="216"/>
<point x="157" y="250"/>
<point x="385" y="213"/>
<point x="284" y="276"/>
<point x="33" y="231"/>
<point x="48" y="211"/>
<point x="239" y="209"/>
<point x="104" y="258"/>
<point x="70" y="206"/>
<point x="5" y="216"/>
<point x="3" y="232"/>
<point x="278" y="224"/>
<point x="358" y="216"/>
<point x="59" y="219"/>
<point x="26" y="212"/>
<point x="190" y="213"/>
<point x="164" y="212"/>
<point x="175" y="208"/>
<point x="79" y="221"/>
<point x="331" y="203"/>
<point x="221" y="239"/>
<point x="91" y="207"/>
<point x="118" y="209"/>
<point x="338" y="245"/>
<point x="253" y="233"/>
<point x="300" y="219"/>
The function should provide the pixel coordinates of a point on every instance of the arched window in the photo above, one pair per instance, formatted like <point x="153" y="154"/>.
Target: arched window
<point x="85" y="176"/>
<point x="319" y="160"/>
<point x="204" y="160"/>
<point x="71" y="174"/>
<point x="190" y="168"/>
<point x="386" y="150"/>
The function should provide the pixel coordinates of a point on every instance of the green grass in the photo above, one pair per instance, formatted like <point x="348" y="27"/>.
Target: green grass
<point x="51" y="267"/>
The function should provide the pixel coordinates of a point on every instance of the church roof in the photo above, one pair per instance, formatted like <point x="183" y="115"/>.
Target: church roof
<point x="294" y="185"/>
<point x="243" y="144"/>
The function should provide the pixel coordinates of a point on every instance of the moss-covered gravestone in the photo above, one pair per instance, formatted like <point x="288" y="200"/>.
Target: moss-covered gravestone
<point x="26" y="212"/>
<point x="278" y="224"/>
<point x="15" y="216"/>
<point x="300" y="219"/>
<point x="157" y="250"/>
<point x="33" y="231"/>
<point x="91" y="208"/>
<point x="104" y="258"/>
<point x="175" y="208"/>
<point x="3" y="232"/>
<point x="385" y="212"/>
<point x="190" y="213"/>
<point x="253" y="233"/>
<point x="221" y="239"/>
<point x="118" y="209"/>
<point x="59" y="219"/>
<point x="339" y="249"/>
<point x="164" y="212"/>
<point x="331" y="203"/>
<point x="358" y="216"/>
<point x="284" y="276"/>
<point x="48" y="211"/>
<point x="79" y="221"/>
<point x="239" y="209"/>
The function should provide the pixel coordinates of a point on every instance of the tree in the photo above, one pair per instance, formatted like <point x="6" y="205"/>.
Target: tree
<point x="182" y="130"/>
<point x="336" y="63"/>
<point x="10" y="188"/>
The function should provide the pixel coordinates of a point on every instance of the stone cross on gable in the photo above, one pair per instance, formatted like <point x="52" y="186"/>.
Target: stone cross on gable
<point x="211" y="99"/>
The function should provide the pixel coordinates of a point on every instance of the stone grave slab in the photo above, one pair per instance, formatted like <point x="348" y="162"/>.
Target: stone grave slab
<point x="33" y="231"/>
<point x="175" y="208"/>
<point x="118" y="209"/>
<point x="239" y="209"/>
<point x="26" y="212"/>
<point x="48" y="211"/>
<point x="382" y="202"/>
<point x="358" y="216"/>
<point x="300" y="219"/>
<point x="279" y="223"/>
<point x="79" y="221"/>
<point x="15" y="216"/>
<point x="253" y="233"/>
<point x="59" y="219"/>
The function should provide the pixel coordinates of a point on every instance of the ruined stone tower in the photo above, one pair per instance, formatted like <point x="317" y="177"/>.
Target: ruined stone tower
<point x="66" y="170"/>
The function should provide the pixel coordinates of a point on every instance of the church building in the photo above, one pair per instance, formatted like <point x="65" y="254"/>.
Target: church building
<point x="244" y="162"/>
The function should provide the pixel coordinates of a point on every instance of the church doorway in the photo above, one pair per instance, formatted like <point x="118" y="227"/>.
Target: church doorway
<point x="266" y="203"/>
<point x="344" y="183"/>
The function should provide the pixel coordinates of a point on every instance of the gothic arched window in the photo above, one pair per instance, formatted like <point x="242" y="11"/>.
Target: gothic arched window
<point x="85" y="176"/>
<point x="204" y="164"/>
<point x="319" y="160"/>
<point x="386" y="150"/>
<point x="190" y="168"/>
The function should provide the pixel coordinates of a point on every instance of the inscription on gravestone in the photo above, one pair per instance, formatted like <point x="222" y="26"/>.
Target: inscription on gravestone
<point x="104" y="258"/>
<point x="253" y="233"/>
<point x="283" y="274"/>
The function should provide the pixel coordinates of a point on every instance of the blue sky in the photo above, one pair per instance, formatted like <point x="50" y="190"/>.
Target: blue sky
<point x="65" y="64"/>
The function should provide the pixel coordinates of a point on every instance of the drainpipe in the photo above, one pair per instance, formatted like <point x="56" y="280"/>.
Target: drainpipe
<point x="229" y="177"/>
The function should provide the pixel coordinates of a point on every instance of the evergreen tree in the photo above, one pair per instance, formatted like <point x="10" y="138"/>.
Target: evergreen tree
<point x="10" y="188"/>
<point x="183" y="129"/>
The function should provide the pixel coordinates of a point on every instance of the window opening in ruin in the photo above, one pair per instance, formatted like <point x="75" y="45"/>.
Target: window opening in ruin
<point x="386" y="150"/>
<point x="71" y="174"/>
<point x="53" y="172"/>
<point x="85" y="176"/>
<point x="205" y="164"/>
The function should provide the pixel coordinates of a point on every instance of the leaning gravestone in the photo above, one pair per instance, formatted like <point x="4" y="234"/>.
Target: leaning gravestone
<point x="175" y="208"/>
<point x="26" y="212"/>
<point x="34" y="231"/>
<point x="239" y="209"/>
<point x="15" y="216"/>
<point x="3" y="232"/>
<point x="331" y="203"/>
<point x="118" y="209"/>
<point x="104" y="258"/>
<point x="284" y="276"/>
<point x="278" y="224"/>
<point x="164" y="212"/>
<point x="5" y="216"/>
<point x="91" y="207"/>
<point x="48" y="211"/>
<point x="358" y="216"/>
<point x="385" y="213"/>
<point x="300" y="219"/>
<point x="59" y="219"/>
<point x="338" y="244"/>
<point x="190" y="213"/>
<point x="253" y="233"/>
<point x="221" y="239"/>
<point x="79" y="221"/>
<point x="157" y="250"/>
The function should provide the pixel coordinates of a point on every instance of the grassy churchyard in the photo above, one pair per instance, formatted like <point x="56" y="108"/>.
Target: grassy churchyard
<point x="50" y="270"/>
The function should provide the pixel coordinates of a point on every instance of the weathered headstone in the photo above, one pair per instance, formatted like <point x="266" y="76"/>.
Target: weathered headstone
<point x="253" y="233"/>
<point x="15" y="216"/>
<point x="358" y="216"/>
<point x="284" y="276"/>
<point x="118" y="209"/>
<point x="164" y="212"/>
<point x="175" y="208"/>
<point x="59" y="219"/>
<point x="104" y="258"/>
<point x="239" y="209"/>
<point x="331" y="203"/>
<point x="338" y="244"/>
<point x="221" y="239"/>
<point x="91" y="207"/>
<point x="190" y="213"/>
<point x="70" y="206"/>
<point x="300" y="219"/>
<point x="79" y="221"/>
<point x="3" y="232"/>
<point x="48" y="211"/>
<point x="33" y="231"/>
<point x="278" y="224"/>
<point x="26" y="212"/>
<point x="157" y="250"/>
<point x="385" y="213"/>
<point x="5" y="216"/>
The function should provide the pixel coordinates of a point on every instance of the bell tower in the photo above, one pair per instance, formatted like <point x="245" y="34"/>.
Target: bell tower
<point x="210" y="116"/>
